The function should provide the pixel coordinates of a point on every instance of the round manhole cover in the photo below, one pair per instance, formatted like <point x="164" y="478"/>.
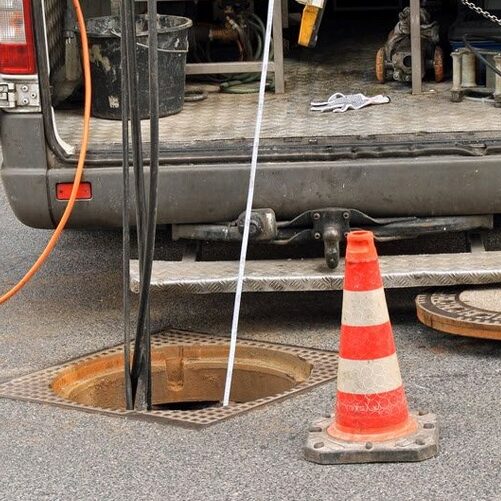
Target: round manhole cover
<point x="470" y="312"/>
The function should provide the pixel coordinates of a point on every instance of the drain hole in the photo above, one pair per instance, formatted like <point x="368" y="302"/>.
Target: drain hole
<point x="185" y="406"/>
<point x="186" y="378"/>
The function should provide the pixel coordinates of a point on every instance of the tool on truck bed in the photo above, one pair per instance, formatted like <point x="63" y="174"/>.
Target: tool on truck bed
<point x="476" y="56"/>
<point x="394" y="60"/>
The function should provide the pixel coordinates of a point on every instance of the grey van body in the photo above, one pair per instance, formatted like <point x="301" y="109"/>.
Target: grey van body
<point x="379" y="170"/>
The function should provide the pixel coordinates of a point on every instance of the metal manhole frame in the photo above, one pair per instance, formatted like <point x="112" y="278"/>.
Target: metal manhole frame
<point x="444" y="311"/>
<point x="35" y="387"/>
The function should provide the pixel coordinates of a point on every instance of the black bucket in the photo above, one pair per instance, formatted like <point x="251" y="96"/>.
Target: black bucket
<point x="104" y="49"/>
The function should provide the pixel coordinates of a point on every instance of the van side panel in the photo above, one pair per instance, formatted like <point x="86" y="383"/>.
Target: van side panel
<point x="24" y="169"/>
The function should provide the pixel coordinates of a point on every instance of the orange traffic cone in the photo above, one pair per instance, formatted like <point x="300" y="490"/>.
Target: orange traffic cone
<point x="372" y="422"/>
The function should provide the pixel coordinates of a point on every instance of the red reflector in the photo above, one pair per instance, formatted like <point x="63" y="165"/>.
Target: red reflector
<point x="63" y="191"/>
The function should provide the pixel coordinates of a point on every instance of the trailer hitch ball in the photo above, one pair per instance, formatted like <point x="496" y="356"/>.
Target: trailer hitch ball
<point x="330" y="225"/>
<point x="332" y="237"/>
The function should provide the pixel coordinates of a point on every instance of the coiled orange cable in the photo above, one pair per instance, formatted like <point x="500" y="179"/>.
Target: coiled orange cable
<point x="80" y="166"/>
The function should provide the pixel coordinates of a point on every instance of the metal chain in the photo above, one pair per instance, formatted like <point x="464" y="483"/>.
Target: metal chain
<point x="482" y="12"/>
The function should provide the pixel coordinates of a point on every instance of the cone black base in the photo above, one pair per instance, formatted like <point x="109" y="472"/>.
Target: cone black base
<point x="321" y="448"/>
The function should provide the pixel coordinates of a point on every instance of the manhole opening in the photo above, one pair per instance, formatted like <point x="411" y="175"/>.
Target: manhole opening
<point x="189" y="371"/>
<point x="185" y="406"/>
<point x="185" y="377"/>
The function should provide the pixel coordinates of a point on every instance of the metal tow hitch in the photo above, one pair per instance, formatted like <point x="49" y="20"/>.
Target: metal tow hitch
<point x="329" y="225"/>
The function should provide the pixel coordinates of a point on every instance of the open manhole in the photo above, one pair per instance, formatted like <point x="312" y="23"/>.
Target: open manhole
<point x="188" y="376"/>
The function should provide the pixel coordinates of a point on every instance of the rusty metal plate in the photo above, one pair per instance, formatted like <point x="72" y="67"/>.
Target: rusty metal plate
<point x="474" y="312"/>
<point x="36" y="387"/>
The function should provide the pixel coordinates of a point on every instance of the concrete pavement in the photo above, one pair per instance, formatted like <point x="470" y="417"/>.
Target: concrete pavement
<point x="73" y="307"/>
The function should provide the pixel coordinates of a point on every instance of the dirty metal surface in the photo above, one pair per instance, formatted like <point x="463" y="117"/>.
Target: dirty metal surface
<point x="422" y="444"/>
<point x="347" y="67"/>
<point x="467" y="312"/>
<point x="36" y="387"/>
<point x="55" y="11"/>
<point x="210" y="277"/>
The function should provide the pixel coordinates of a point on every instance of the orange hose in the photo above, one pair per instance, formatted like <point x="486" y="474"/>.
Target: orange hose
<point x="80" y="166"/>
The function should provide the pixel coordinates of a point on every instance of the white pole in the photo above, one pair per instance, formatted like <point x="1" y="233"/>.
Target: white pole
<point x="248" y="209"/>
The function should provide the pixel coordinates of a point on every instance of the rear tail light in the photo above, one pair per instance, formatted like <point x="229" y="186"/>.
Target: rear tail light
<point x="17" y="47"/>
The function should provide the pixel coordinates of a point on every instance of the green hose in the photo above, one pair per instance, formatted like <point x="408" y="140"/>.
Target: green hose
<point x="247" y="83"/>
<point x="246" y="88"/>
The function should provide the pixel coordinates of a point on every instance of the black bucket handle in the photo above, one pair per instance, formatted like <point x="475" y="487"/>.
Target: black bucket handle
<point x="170" y="51"/>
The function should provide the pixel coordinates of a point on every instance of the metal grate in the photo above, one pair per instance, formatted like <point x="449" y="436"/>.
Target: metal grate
<point x="36" y="387"/>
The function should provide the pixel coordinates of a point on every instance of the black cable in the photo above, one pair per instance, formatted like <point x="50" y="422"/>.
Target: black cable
<point x="137" y="152"/>
<point x="137" y="160"/>
<point x="142" y="363"/>
<point x="129" y="404"/>
<point x="479" y="55"/>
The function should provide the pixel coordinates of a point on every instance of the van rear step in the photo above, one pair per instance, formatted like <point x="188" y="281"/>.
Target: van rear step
<point x="294" y="275"/>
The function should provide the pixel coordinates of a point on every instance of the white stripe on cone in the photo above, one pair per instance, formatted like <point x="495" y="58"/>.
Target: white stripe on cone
<point x="364" y="308"/>
<point x="365" y="377"/>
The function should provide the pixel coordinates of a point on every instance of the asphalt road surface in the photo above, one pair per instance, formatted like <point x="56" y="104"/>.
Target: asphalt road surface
<point x="73" y="307"/>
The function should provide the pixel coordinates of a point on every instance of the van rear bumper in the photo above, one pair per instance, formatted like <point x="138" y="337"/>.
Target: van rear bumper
<point x="204" y="193"/>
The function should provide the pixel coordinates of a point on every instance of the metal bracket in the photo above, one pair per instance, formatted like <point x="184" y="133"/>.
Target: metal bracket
<point x="477" y="242"/>
<point x="7" y="95"/>
<point x="263" y="228"/>
<point x="19" y="95"/>
<point x="263" y="224"/>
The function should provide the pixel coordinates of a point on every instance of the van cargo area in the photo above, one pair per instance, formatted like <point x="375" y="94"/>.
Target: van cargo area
<point x="432" y="152"/>
<point x="342" y="61"/>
